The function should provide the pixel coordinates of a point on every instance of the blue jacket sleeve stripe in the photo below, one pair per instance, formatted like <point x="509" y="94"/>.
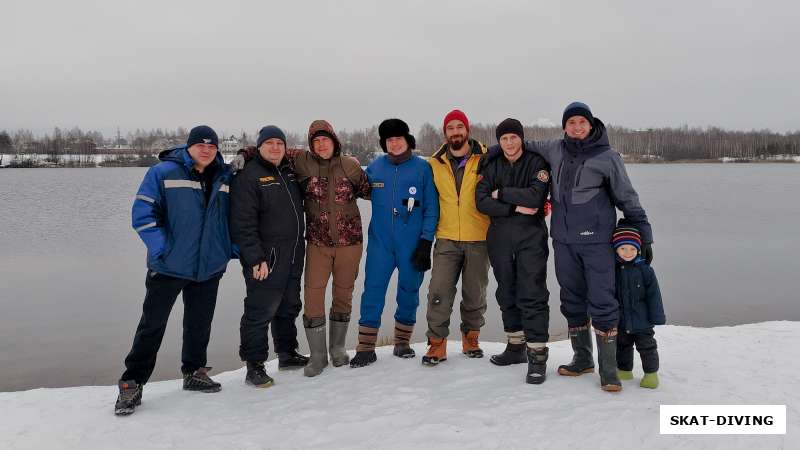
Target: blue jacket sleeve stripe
<point x="147" y="215"/>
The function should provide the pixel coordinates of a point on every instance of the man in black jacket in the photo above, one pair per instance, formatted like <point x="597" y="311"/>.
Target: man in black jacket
<point x="267" y="224"/>
<point x="512" y="192"/>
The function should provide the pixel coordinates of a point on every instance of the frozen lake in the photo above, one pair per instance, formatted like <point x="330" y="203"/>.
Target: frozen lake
<point x="72" y="269"/>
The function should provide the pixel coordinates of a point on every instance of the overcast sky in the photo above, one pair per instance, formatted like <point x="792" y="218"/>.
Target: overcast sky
<point x="239" y="65"/>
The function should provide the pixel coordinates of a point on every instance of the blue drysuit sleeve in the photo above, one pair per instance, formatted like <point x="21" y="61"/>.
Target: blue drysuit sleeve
<point x="430" y="208"/>
<point x="147" y="214"/>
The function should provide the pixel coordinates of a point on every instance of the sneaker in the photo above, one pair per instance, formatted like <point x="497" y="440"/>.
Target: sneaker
<point x="199" y="381"/>
<point x="291" y="360"/>
<point x="437" y="352"/>
<point x="130" y="396"/>
<point x="470" y="345"/>
<point x="257" y="375"/>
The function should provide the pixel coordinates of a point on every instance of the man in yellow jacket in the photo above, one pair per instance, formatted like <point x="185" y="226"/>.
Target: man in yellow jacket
<point x="460" y="248"/>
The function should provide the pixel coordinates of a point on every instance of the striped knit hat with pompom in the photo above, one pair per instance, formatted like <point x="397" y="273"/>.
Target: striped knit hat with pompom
<point x="626" y="236"/>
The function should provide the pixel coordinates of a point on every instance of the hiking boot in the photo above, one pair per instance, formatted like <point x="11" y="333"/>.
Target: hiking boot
<point x="317" y="345"/>
<point x="582" y="360"/>
<point x="291" y="360"/>
<point x="257" y="376"/>
<point x="469" y="344"/>
<point x="363" y="359"/>
<point x="199" y="381"/>
<point x="437" y="352"/>
<point x="130" y="396"/>
<point x="607" y="360"/>
<point x="337" y="334"/>
<point x="537" y="365"/>
<point x="513" y="354"/>
<point x="650" y="380"/>
<point x="404" y="351"/>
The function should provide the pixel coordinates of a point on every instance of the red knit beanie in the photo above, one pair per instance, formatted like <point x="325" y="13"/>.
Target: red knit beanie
<point x="456" y="114"/>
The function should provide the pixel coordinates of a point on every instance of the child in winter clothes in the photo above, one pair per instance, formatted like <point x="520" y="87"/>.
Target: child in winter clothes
<point x="640" y="307"/>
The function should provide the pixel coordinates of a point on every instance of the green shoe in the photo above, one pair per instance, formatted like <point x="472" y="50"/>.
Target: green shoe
<point x="625" y="374"/>
<point x="650" y="380"/>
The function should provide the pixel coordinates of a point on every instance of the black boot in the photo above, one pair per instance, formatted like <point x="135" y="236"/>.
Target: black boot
<point x="537" y="365"/>
<point x="199" y="381"/>
<point x="513" y="354"/>
<point x="363" y="359"/>
<point x="607" y="359"/>
<point x="403" y="350"/>
<point x="257" y="376"/>
<point x="582" y="361"/>
<point x="130" y="396"/>
<point x="291" y="360"/>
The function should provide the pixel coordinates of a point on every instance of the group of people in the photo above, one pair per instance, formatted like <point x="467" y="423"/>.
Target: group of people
<point x="290" y="215"/>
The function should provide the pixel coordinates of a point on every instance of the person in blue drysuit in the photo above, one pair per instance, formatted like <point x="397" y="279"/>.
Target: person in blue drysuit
<point x="405" y="212"/>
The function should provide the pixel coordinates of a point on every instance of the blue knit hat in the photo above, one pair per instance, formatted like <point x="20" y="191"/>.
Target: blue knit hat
<point x="202" y="134"/>
<point x="270" y="132"/>
<point x="576" y="109"/>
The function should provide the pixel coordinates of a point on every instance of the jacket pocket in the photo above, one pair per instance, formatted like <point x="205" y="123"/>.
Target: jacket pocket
<point x="582" y="219"/>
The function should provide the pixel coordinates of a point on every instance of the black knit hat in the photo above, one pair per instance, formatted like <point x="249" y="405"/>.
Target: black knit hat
<point x="395" y="128"/>
<point x="509" y="126"/>
<point x="576" y="109"/>
<point x="270" y="132"/>
<point x="202" y="134"/>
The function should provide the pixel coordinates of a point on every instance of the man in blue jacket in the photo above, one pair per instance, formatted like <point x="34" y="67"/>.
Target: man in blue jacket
<point x="589" y="184"/>
<point x="405" y="211"/>
<point x="181" y="214"/>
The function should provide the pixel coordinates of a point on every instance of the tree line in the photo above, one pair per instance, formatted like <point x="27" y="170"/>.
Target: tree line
<point x="139" y="147"/>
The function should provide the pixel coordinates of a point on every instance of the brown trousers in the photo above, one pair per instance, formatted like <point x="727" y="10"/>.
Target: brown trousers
<point x="321" y="262"/>
<point x="451" y="259"/>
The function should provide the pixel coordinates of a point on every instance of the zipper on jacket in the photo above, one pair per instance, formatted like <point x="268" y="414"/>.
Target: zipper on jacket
<point x="394" y="195"/>
<point x="294" y="208"/>
<point x="580" y="172"/>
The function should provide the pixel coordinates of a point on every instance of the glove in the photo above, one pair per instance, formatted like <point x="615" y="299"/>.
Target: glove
<point x="238" y="163"/>
<point x="548" y="208"/>
<point x="647" y="253"/>
<point x="421" y="259"/>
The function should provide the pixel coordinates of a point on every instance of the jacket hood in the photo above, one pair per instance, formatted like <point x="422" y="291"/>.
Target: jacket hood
<point x="180" y="155"/>
<point x="597" y="141"/>
<point x="324" y="128"/>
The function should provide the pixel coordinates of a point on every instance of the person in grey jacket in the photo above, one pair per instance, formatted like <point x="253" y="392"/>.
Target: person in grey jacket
<point x="589" y="184"/>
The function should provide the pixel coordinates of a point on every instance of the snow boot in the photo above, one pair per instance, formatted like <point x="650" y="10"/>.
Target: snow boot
<point x="582" y="361"/>
<point x="365" y="350"/>
<point x="257" y="376"/>
<point x="513" y="354"/>
<point x="130" y="396"/>
<point x="625" y="375"/>
<point x="437" y="352"/>
<point x="402" y="337"/>
<point x="537" y="365"/>
<point x="291" y="360"/>
<point x="607" y="359"/>
<point x="650" y="380"/>
<point x="338" y="332"/>
<point x="315" y="333"/>
<point x="199" y="381"/>
<point x="470" y="345"/>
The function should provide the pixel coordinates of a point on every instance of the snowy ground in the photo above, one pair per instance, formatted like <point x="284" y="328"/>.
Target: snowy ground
<point x="461" y="404"/>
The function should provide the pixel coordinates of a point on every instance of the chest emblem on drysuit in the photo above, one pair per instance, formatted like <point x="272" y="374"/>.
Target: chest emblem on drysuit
<point x="266" y="179"/>
<point x="543" y="176"/>
<point x="412" y="190"/>
<point x="376" y="185"/>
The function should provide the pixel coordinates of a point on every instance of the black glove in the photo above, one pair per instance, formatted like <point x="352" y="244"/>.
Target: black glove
<point x="647" y="253"/>
<point x="421" y="259"/>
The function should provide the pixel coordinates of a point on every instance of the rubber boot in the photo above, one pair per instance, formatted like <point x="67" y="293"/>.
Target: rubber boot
<point x="315" y="333"/>
<point x="607" y="359"/>
<point x="625" y="375"/>
<point x="513" y="354"/>
<point x="338" y="334"/>
<point x="582" y="361"/>
<point x="537" y="365"/>
<point x="650" y="380"/>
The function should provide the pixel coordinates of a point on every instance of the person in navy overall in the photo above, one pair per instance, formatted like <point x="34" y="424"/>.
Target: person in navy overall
<point x="181" y="214"/>
<point x="405" y="212"/>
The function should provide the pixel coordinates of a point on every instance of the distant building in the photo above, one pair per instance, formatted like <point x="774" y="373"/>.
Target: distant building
<point x="230" y="144"/>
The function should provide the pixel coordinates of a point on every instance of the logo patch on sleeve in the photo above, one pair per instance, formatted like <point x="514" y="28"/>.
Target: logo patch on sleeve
<point x="543" y="176"/>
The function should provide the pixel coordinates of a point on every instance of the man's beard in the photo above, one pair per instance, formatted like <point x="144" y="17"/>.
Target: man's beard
<point x="457" y="142"/>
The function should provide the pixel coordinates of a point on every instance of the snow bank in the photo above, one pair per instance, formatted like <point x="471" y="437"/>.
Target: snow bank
<point x="461" y="404"/>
